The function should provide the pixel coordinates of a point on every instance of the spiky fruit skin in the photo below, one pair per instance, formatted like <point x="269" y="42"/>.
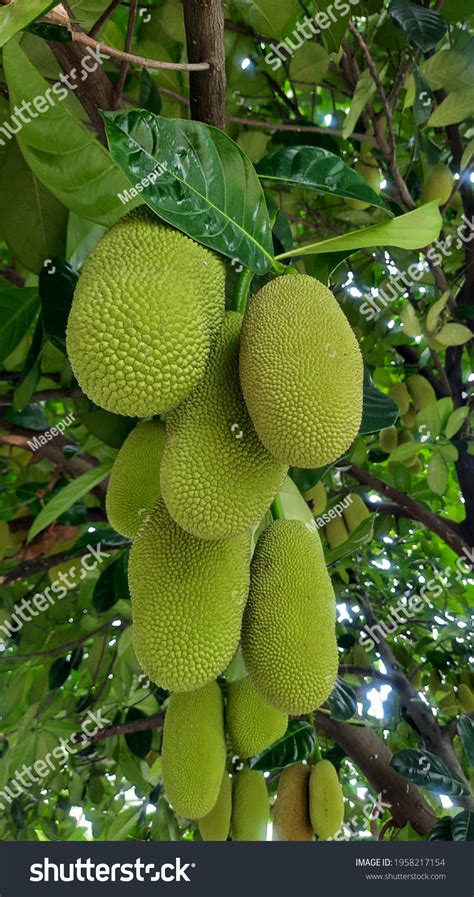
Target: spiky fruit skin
<point x="140" y="325"/>
<point x="291" y="820"/>
<point x="326" y="800"/>
<point x="288" y="634"/>
<point x="399" y="393"/>
<point x="465" y="698"/>
<point x="193" y="751"/>
<point x="336" y="532"/>
<point x="355" y="512"/>
<point x="216" y="825"/>
<point x="134" y="485"/>
<point x="296" y="344"/>
<point x="250" y="807"/>
<point x="252" y="724"/>
<point x="188" y="597"/>
<point x="438" y="185"/>
<point x="421" y="391"/>
<point x="217" y="478"/>
<point x="388" y="439"/>
<point x="317" y="494"/>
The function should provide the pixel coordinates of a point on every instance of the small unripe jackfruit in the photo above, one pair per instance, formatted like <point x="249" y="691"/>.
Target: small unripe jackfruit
<point x="409" y="419"/>
<point x="253" y="725"/>
<point x="301" y="372"/>
<point x="317" y="494"/>
<point x="193" y="752"/>
<point x="288" y="634"/>
<point x="336" y="532"/>
<point x="188" y="597"/>
<point x="355" y="512"/>
<point x="326" y="800"/>
<point x="216" y="825"/>
<point x="421" y="391"/>
<point x="371" y="174"/>
<point x="465" y="698"/>
<point x="144" y="308"/>
<point x="217" y="478"/>
<point x="399" y="393"/>
<point x="250" y="807"/>
<point x="291" y="820"/>
<point x="388" y="439"/>
<point x="438" y="185"/>
<point x="134" y="485"/>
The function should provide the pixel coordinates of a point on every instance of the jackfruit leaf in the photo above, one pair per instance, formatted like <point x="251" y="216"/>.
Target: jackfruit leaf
<point x="266" y="16"/>
<point x="16" y="16"/>
<point x="379" y="410"/>
<point x="104" y="596"/>
<point x="462" y="826"/>
<point x="18" y="309"/>
<point x="411" y="231"/>
<point x="425" y="769"/>
<point x="139" y="743"/>
<point x="467" y="155"/>
<point x="32" y="417"/>
<point x="59" y="671"/>
<point x="207" y="187"/>
<point x="71" y="493"/>
<point x="121" y="826"/>
<point x="443" y="68"/>
<point x="309" y="64"/>
<point x="423" y="100"/>
<point x="305" y="478"/>
<point x="314" y="168"/>
<point x="449" y="453"/>
<point x="57" y="282"/>
<point x="456" y="420"/>
<point x="405" y="451"/>
<point x="423" y="27"/>
<point x="454" y="335"/>
<point x="150" y="98"/>
<point x="342" y="700"/>
<point x="457" y="106"/>
<point x="164" y="826"/>
<point x="121" y="588"/>
<point x="428" y="421"/>
<point x="110" y="428"/>
<point x="62" y="153"/>
<point x="296" y="745"/>
<point x="432" y="317"/>
<point x="362" y="534"/>
<point x="437" y="474"/>
<point x="441" y="831"/>
<point x="31" y="370"/>
<point x="465" y="727"/>
<point x="364" y="90"/>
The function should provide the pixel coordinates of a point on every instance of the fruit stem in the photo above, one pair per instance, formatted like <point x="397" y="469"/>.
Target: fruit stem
<point x="242" y="291"/>
<point x="277" y="509"/>
<point x="317" y="750"/>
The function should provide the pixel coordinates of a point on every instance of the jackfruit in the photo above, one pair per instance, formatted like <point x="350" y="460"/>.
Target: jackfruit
<point x="134" y="485"/>
<point x="371" y="174"/>
<point x="336" y="532"/>
<point x="388" y="439"/>
<point x="326" y="800"/>
<point x="409" y="419"/>
<point x="250" y="808"/>
<point x="399" y="393"/>
<point x="288" y="634"/>
<point x="216" y="825"/>
<point x="291" y="820"/>
<point x="438" y="185"/>
<point x="217" y="478"/>
<point x="146" y="304"/>
<point x="193" y="752"/>
<point x="188" y="597"/>
<point x="317" y="494"/>
<point x="301" y="372"/>
<point x="465" y="698"/>
<point x="252" y="724"/>
<point x="421" y="391"/>
<point x="414" y="466"/>
<point x="355" y="512"/>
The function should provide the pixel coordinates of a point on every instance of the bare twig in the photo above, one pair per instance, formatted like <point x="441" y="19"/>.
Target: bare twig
<point x="128" y="43"/>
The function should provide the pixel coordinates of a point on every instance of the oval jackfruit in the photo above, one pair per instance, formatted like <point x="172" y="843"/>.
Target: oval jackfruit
<point x="388" y="439"/>
<point x="355" y="512"/>
<point x="139" y="328"/>
<point x="296" y="347"/>
<point x="438" y="185"/>
<point x="326" y="800"/>
<point x="336" y="532"/>
<point x="217" y="478"/>
<point x="216" y="825"/>
<point x="291" y="820"/>
<point x="252" y="724"/>
<point x="250" y="807"/>
<point x="399" y="393"/>
<point x="317" y="494"/>
<point x="409" y="419"/>
<point x="193" y="752"/>
<point x="421" y="391"/>
<point x="465" y="698"/>
<point x="188" y="597"/>
<point x="134" y="485"/>
<point x="371" y="174"/>
<point x="288" y="634"/>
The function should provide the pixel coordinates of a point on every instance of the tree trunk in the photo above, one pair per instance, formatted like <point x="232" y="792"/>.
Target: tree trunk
<point x="204" y="20"/>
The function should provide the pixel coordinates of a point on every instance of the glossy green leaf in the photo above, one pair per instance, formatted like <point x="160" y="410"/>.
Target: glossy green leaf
<point x="309" y="64"/>
<point x="405" y="452"/>
<point x="462" y="826"/>
<point x="18" y="309"/>
<point x="379" y="410"/>
<point x="342" y="700"/>
<point x="16" y="16"/>
<point x="32" y="369"/>
<point x="57" y="283"/>
<point x="424" y="27"/>
<point x="454" y="335"/>
<point x="205" y="186"/>
<point x="265" y="16"/>
<point x="465" y="727"/>
<point x="441" y="831"/>
<point x="71" y="493"/>
<point x="365" y="89"/>
<point x="296" y="745"/>
<point x="139" y="743"/>
<point x="456" y="420"/>
<point x="314" y="168"/>
<point x="457" y="106"/>
<point x="104" y="596"/>
<point x="425" y="769"/>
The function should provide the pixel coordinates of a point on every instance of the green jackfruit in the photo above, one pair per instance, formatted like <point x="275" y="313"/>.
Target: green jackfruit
<point x="288" y="634"/>
<point x="188" y="597"/>
<point x="399" y="393"/>
<point x="143" y="312"/>
<point x="216" y="825"/>
<point x="217" y="478"/>
<point x="355" y="512"/>
<point x="465" y="698"/>
<point x="301" y="372"/>
<point x="409" y="419"/>
<point x="421" y="391"/>
<point x="317" y="494"/>
<point x="253" y="725"/>
<point x="291" y="820"/>
<point x="414" y="466"/>
<point x="134" y="485"/>
<point x="336" y="532"/>
<point x="250" y="808"/>
<point x="388" y="439"/>
<point x="438" y="185"/>
<point x="371" y="174"/>
<point x="193" y="751"/>
<point x="326" y="800"/>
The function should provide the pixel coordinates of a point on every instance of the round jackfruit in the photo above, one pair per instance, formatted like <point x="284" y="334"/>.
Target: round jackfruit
<point x="326" y="800"/>
<point x="139" y="329"/>
<point x="438" y="185"/>
<point x="217" y="478"/>
<point x="250" y="807"/>
<point x="465" y="698"/>
<point x="193" y="752"/>
<point x="409" y="419"/>
<point x="291" y="820"/>
<point x="301" y="372"/>
<point x="388" y="439"/>
<point x="317" y="494"/>
<point x="188" y="597"/>
<point x="355" y="512"/>
<point x="371" y="174"/>
<point x="216" y="825"/>
<point x="134" y="485"/>
<point x="288" y="634"/>
<point x="253" y="725"/>
<point x="421" y="391"/>
<point x="399" y="393"/>
<point x="336" y="532"/>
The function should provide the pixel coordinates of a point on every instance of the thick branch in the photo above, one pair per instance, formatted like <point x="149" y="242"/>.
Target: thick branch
<point x="136" y="725"/>
<point x="204" y="21"/>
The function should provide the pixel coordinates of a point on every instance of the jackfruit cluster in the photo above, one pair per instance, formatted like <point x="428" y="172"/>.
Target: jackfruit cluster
<point x="309" y="802"/>
<point x="340" y="528"/>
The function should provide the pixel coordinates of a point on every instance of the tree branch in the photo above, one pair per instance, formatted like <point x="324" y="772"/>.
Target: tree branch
<point x="204" y="22"/>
